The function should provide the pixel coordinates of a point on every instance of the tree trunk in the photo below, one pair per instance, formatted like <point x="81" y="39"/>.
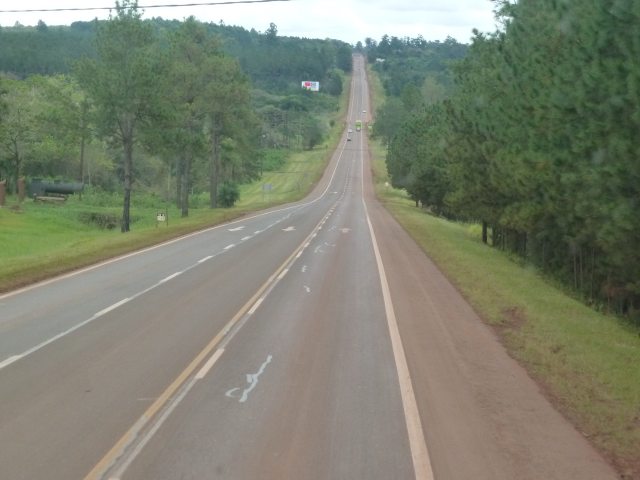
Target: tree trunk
<point x="16" y="166"/>
<point x="81" y="173"/>
<point x="213" y="184"/>
<point x="179" y="184"/>
<point x="128" y="161"/>
<point x="186" y="169"/>
<point x="484" y="232"/>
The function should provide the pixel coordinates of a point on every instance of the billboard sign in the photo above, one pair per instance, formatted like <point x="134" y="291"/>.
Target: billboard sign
<point x="313" y="86"/>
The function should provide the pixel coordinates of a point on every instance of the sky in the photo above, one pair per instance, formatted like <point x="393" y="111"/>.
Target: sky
<point x="347" y="20"/>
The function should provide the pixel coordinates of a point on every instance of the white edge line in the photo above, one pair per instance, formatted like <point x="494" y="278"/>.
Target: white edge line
<point x="114" y="306"/>
<point x="229" y="246"/>
<point x="246" y="238"/>
<point x="299" y="253"/>
<point x="207" y="366"/>
<point x="419" y="453"/>
<point x="10" y="360"/>
<point x="205" y="259"/>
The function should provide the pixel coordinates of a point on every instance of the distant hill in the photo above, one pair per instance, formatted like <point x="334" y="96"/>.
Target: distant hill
<point x="273" y="62"/>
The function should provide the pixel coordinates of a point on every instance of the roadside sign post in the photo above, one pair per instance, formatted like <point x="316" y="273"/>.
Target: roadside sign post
<point x="160" y="217"/>
<point x="268" y="187"/>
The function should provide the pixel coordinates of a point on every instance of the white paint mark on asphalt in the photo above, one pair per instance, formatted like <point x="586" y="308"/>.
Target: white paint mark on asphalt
<point x="318" y="249"/>
<point x="205" y="259"/>
<point x="252" y="379"/>
<point x="169" y="277"/>
<point x="306" y="245"/>
<point x="121" y="302"/>
<point x="229" y="246"/>
<point x="299" y="253"/>
<point x="230" y="392"/>
<point x="315" y="235"/>
<point x="255" y="306"/>
<point x="345" y="230"/>
<point x="207" y="366"/>
<point x="10" y="360"/>
<point x="259" y="231"/>
<point x="330" y="245"/>
<point x="307" y="289"/>
<point x="284" y="272"/>
<point x="304" y="268"/>
<point x="245" y="238"/>
<point x="237" y="229"/>
<point x="288" y="229"/>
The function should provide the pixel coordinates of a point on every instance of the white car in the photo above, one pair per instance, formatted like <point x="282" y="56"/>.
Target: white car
<point x="349" y="131"/>
<point x="364" y="111"/>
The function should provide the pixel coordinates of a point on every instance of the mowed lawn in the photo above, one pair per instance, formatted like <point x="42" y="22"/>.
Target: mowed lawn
<point x="587" y="363"/>
<point x="38" y="241"/>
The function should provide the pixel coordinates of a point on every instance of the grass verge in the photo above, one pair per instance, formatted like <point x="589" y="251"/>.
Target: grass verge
<point x="39" y="241"/>
<point x="587" y="363"/>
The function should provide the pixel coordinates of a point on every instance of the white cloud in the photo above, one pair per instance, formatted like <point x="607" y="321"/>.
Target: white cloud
<point x="348" y="20"/>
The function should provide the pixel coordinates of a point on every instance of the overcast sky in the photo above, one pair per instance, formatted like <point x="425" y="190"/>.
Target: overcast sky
<point x="348" y="20"/>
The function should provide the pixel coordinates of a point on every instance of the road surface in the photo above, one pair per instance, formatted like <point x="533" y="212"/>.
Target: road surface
<point x="311" y="341"/>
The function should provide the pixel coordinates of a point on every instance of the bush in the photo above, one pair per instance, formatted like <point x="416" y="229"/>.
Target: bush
<point x="228" y="194"/>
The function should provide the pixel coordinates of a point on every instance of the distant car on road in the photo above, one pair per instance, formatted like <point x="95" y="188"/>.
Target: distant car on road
<point x="349" y="131"/>
<point x="364" y="111"/>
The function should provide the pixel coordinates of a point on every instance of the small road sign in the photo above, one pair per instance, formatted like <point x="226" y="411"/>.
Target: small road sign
<point x="160" y="217"/>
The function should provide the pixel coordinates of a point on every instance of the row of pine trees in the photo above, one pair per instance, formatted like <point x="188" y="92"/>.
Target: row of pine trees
<point x="541" y="143"/>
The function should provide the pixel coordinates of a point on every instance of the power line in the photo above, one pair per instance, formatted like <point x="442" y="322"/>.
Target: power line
<point x="204" y="4"/>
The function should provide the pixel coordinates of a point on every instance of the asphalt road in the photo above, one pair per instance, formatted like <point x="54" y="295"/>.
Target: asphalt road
<point x="312" y="341"/>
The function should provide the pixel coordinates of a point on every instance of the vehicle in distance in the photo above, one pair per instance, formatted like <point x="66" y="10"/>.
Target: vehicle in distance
<point x="358" y="125"/>
<point x="349" y="131"/>
<point x="364" y="111"/>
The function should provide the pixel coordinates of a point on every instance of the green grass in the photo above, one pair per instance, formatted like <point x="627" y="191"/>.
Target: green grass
<point x="587" y="363"/>
<point x="41" y="240"/>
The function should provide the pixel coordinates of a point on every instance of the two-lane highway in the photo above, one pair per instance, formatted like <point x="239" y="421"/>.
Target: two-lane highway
<point x="311" y="341"/>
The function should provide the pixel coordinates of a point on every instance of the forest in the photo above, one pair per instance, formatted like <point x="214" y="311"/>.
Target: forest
<point x="131" y="105"/>
<point x="537" y="140"/>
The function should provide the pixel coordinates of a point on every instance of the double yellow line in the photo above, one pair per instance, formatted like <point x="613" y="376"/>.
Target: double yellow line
<point x="128" y="438"/>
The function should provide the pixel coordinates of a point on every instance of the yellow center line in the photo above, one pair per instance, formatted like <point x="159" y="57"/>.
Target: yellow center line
<point x="119" y="448"/>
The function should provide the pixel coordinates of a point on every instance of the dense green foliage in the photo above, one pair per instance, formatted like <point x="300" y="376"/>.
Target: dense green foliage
<point x="403" y="61"/>
<point x="539" y="141"/>
<point x="414" y="73"/>
<point x="172" y="108"/>
<point x="274" y="63"/>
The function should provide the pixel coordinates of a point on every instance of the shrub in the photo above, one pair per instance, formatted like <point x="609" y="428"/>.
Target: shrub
<point x="228" y="194"/>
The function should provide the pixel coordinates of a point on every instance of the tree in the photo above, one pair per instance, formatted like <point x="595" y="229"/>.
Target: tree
<point x="271" y="34"/>
<point x="18" y="126"/>
<point x="194" y="58"/>
<point x="412" y="99"/>
<point x="124" y="83"/>
<point x="227" y="100"/>
<point x="334" y="85"/>
<point x="312" y="131"/>
<point x="390" y="117"/>
<point x="344" y="58"/>
<point x="68" y="115"/>
<point x="432" y="91"/>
